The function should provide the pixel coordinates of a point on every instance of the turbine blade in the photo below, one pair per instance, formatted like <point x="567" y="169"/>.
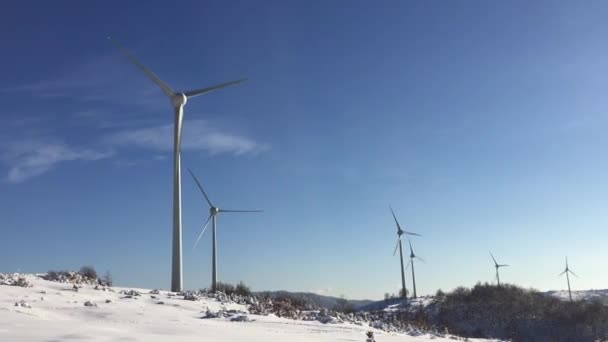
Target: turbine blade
<point x="419" y="258"/>
<point x="408" y="265"/>
<point x="165" y="88"/>
<point x="397" y="245"/>
<point x="202" y="91"/>
<point x="503" y="265"/>
<point x="411" y="249"/>
<point x="573" y="273"/>
<point x="395" y="217"/>
<point x="202" y="232"/>
<point x="241" y="211"/>
<point x="562" y="273"/>
<point x="495" y="263"/>
<point x="201" y="187"/>
<point x="399" y="226"/>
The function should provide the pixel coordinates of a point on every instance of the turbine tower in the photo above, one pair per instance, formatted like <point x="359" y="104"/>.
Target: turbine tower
<point x="567" y="270"/>
<point x="497" y="266"/>
<point x="412" y="257"/>
<point x="178" y="101"/>
<point x="399" y="233"/>
<point x="213" y="213"/>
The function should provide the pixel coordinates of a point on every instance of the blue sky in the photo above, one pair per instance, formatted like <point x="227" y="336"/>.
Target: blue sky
<point x="483" y="123"/>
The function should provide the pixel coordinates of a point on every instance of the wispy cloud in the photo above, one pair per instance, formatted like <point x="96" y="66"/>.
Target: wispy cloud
<point x="198" y="135"/>
<point x="28" y="159"/>
<point x="107" y="79"/>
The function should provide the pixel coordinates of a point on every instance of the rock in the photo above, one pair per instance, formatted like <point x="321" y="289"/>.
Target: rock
<point x="155" y="291"/>
<point x="211" y="314"/>
<point x="89" y="303"/>
<point x="14" y="280"/>
<point x="191" y="295"/>
<point x="240" y="318"/>
<point x="23" y="304"/>
<point x="153" y="297"/>
<point x="161" y="303"/>
<point x="131" y="293"/>
<point x="108" y="301"/>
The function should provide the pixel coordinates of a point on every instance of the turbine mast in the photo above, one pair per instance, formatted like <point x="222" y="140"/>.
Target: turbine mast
<point x="568" y="280"/>
<point x="497" y="276"/>
<point x="214" y="255"/>
<point x="402" y="271"/>
<point x="176" y="269"/>
<point x="414" y="278"/>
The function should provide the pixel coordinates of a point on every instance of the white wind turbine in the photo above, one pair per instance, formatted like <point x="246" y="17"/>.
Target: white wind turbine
<point x="497" y="266"/>
<point x="567" y="270"/>
<point x="213" y="213"/>
<point x="178" y="100"/>
<point x="399" y="233"/>
<point x="411" y="263"/>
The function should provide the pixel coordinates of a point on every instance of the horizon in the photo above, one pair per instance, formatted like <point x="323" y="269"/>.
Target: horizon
<point x="482" y="124"/>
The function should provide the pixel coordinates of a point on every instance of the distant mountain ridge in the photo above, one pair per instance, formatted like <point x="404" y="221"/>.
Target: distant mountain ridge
<point x="328" y="302"/>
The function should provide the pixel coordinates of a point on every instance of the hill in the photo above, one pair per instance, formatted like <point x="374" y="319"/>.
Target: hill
<point x="327" y="302"/>
<point x="34" y="309"/>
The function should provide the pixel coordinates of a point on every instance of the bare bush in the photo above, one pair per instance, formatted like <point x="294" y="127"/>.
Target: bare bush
<point x="225" y="288"/>
<point x="88" y="272"/>
<point x="106" y="280"/>
<point x="242" y="289"/>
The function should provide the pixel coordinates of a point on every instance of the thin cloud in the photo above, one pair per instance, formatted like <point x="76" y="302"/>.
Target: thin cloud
<point x="198" y="135"/>
<point x="29" y="159"/>
<point x="107" y="79"/>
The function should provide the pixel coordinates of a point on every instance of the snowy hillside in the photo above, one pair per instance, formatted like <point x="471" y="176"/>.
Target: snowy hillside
<point x="598" y="295"/>
<point x="328" y="302"/>
<point x="52" y="311"/>
<point x="394" y="304"/>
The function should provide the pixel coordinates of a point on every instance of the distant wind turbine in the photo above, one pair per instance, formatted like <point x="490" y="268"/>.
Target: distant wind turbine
<point x="178" y="100"/>
<point x="399" y="233"/>
<point x="412" y="257"/>
<point x="497" y="266"/>
<point x="566" y="271"/>
<point x="213" y="213"/>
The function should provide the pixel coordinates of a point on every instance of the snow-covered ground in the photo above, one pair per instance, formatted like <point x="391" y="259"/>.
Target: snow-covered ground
<point x="580" y="295"/>
<point x="58" y="313"/>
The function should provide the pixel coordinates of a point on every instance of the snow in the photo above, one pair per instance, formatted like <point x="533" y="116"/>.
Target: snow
<point x="580" y="295"/>
<point x="58" y="313"/>
<point x="396" y="304"/>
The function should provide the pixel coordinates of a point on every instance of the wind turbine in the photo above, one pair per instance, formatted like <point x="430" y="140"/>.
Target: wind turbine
<point x="213" y="213"/>
<point x="412" y="257"/>
<point x="567" y="270"/>
<point x="497" y="266"/>
<point x="178" y="101"/>
<point x="399" y="233"/>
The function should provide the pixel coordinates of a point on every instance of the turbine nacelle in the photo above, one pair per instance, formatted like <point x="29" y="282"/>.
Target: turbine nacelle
<point x="214" y="211"/>
<point x="179" y="100"/>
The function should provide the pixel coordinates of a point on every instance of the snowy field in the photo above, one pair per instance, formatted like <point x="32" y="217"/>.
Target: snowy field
<point x="58" y="313"/>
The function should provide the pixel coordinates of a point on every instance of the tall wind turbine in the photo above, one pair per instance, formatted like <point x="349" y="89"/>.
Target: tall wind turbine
<point x="567" y="270"/>
<point x="213" y="213"/>
<point x="178" y="101"/>
<point x="399" y="233"/>
<point x="412" y="257"/>
<point x="497" y="266"/>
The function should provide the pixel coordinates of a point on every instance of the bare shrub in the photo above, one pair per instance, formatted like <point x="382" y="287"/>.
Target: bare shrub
<point x="88" y="272"/>
<point x="242" y="290"/>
